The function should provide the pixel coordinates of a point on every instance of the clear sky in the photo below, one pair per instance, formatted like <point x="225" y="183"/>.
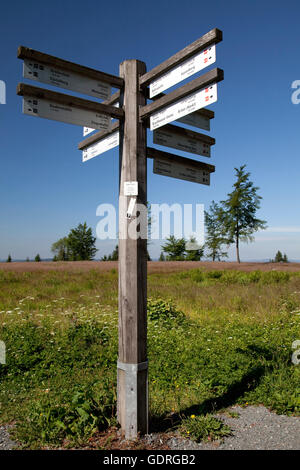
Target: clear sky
<point x="45" y="187"/>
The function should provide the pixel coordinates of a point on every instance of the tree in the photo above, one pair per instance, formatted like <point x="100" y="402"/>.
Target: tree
<point x="162" y="257"/>
<point x="175" y="247"/>
<point x="240" y="220"/>
<point x="193" y="254"/>
<point x="37" y="258"/>
<point x="8" y="259"/>
<point x="279" y="258"/>
<point x="81" y="243"/>
<point x="215" y="233"/>
<point x="27" y="259"/>
<point x="61" y="249"/>
<point x="113" y="257"/>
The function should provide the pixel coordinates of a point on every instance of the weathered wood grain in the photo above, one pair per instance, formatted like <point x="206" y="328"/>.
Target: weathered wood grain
<point x="69" y="100"/>
<point x="170" y="157"/>
<point x="27" y="53"/>
<point x="212" y="37"/>
<point x="213" y="76"/>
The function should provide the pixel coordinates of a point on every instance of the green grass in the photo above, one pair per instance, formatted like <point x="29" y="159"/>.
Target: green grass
<point x="215" y="339"/>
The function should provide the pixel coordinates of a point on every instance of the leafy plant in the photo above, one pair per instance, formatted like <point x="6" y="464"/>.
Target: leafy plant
<point x="84" y="414"/>
<point x="159" y="309"/>
<point x="204" y="428"/>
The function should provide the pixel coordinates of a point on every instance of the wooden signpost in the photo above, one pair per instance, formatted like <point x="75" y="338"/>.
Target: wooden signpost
<point x="133" y="115"/>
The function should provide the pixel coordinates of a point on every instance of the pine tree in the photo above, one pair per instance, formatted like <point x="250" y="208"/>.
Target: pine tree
<point x="9" y="259"/>
<point x="193" y="251"/>
<point x="37" y="258"/>
<point x="81" y="243"/>
<point x="240" y="221"/>
<point x="278" y="257"/>
<point x="215" y="232"/>
<point x="175" y="247"/>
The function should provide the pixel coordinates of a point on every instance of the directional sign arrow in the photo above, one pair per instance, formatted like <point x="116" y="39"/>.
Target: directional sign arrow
<point x="60" y="107"/>
<point x="39" y="58"/>
<point x="213" y="76"/>
<point x="183" y="139"/>
<point x="168" y="164"/>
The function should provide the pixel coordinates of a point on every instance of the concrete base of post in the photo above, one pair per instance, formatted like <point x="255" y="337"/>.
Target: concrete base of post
<point x="132" y="400"/>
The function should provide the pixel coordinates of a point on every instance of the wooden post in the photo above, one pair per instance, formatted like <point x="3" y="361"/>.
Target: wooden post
<point x="132" y="361"/>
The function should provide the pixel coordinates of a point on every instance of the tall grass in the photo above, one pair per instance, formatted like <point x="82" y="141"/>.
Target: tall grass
<point x="215" y="339"/>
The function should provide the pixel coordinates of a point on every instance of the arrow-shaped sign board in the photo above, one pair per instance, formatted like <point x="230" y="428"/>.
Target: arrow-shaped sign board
<point x="196" y="120"/>
<point x="100" y="147"/>
<point x="181" y="171"/>
<point x="65" y="79"/>
<point x="62" y="112"/>
<point x="167" y="137"/>
<point x="88" y="130"/>
<point x="183" y="71"/>
<point x="65" y="108"/>
<point x="185" y="106"/>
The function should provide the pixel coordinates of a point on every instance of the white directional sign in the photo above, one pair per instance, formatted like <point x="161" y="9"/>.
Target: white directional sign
<point x="65" y="79"/>
<point x="186" y="69"/>
<point x="181" y="171"/>
<point x="181" y="142"/>
<point x="185" y="106"/>
<point x="88" y="130"/>
<point x="64" y="113"/>
<point x="100" y="147"/>
<point x="196" y="120"/>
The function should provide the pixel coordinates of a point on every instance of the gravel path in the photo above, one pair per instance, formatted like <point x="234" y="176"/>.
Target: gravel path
<point x="256" y="428"/>
<point x="5" y="442"/>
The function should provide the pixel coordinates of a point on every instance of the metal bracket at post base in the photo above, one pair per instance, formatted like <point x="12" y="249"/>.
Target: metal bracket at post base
<point x="131" y="411"/>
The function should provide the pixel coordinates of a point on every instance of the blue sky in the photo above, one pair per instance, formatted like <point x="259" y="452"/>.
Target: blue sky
<point x="46" y="189"/>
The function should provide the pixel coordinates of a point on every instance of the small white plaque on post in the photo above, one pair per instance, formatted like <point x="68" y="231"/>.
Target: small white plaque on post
<point x="130" y="188"/>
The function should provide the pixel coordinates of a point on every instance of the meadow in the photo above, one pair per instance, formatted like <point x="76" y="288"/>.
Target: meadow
<point x="216" y="338"/>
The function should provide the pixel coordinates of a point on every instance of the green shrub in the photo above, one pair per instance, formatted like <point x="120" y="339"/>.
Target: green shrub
<point x="84" y="413"/>
<point x="204" y="428"/>
<point x="159" y="309"/>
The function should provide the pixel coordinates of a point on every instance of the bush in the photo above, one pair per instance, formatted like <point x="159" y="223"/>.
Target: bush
<point x="159" y="309"/>
<point x="204" y="428"/>
<point x="84" y="413"/>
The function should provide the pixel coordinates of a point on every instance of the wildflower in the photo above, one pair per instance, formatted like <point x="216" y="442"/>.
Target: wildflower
<point x="193" y="416"/>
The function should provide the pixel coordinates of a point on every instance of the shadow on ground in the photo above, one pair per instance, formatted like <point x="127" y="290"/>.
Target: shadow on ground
<point x="235" y="391"/>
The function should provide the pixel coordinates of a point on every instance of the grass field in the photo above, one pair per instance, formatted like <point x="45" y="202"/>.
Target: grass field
<point x="216" y="338"/>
